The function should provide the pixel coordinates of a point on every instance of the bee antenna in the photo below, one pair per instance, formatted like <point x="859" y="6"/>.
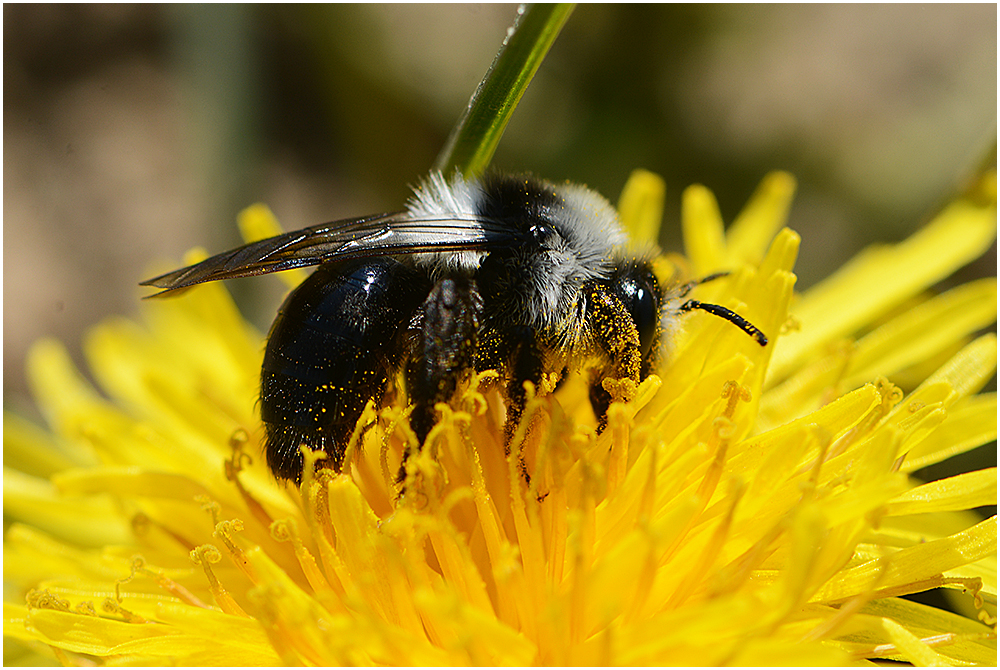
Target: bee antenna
<point x="684" y="289"/>
<point x="730" y="316"/>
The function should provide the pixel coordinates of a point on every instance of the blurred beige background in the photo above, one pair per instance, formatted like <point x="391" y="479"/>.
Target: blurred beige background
<point x="132" y="133"/>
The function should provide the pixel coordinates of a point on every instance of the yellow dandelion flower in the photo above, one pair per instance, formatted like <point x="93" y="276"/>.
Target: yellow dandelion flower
<point x="750" y="506"/>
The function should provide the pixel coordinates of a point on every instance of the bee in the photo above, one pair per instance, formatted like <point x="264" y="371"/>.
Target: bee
<point x="506" y="273"/>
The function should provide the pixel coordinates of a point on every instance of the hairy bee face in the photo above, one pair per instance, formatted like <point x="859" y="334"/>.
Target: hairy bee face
<point x="509" y="273"/>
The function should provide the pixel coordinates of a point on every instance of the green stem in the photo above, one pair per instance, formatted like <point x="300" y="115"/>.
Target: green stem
<point x="475" y="138"/>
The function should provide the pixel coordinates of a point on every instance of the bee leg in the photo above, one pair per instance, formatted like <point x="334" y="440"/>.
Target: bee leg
<point x="525" y="366"/>
<point x="444" y="349"/>
<point x="516" y="351"/>
<point x="616" y="335"/>
<point x="600" y="400"/>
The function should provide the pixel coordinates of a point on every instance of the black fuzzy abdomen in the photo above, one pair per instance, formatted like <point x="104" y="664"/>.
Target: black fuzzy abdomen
<point x="332" y="347"/>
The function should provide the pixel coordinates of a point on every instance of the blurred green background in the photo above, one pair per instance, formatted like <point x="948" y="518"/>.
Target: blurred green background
<point x="133" y="133"/>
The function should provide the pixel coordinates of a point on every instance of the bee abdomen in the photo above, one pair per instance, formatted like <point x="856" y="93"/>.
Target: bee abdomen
<point x="332" y="347"/>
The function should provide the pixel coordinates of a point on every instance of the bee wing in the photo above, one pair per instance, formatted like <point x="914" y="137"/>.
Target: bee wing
<point x="379" y="235"/>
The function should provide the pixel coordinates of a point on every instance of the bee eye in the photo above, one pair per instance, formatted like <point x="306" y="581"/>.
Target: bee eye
<point x="542" y="232"/>
<point x="639" y="292"/>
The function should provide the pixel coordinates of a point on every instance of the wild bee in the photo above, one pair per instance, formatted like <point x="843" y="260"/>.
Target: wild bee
<point x="506" y="273"/>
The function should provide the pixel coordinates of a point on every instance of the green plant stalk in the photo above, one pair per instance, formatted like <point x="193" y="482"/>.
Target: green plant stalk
<point x="474" y="139"/>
